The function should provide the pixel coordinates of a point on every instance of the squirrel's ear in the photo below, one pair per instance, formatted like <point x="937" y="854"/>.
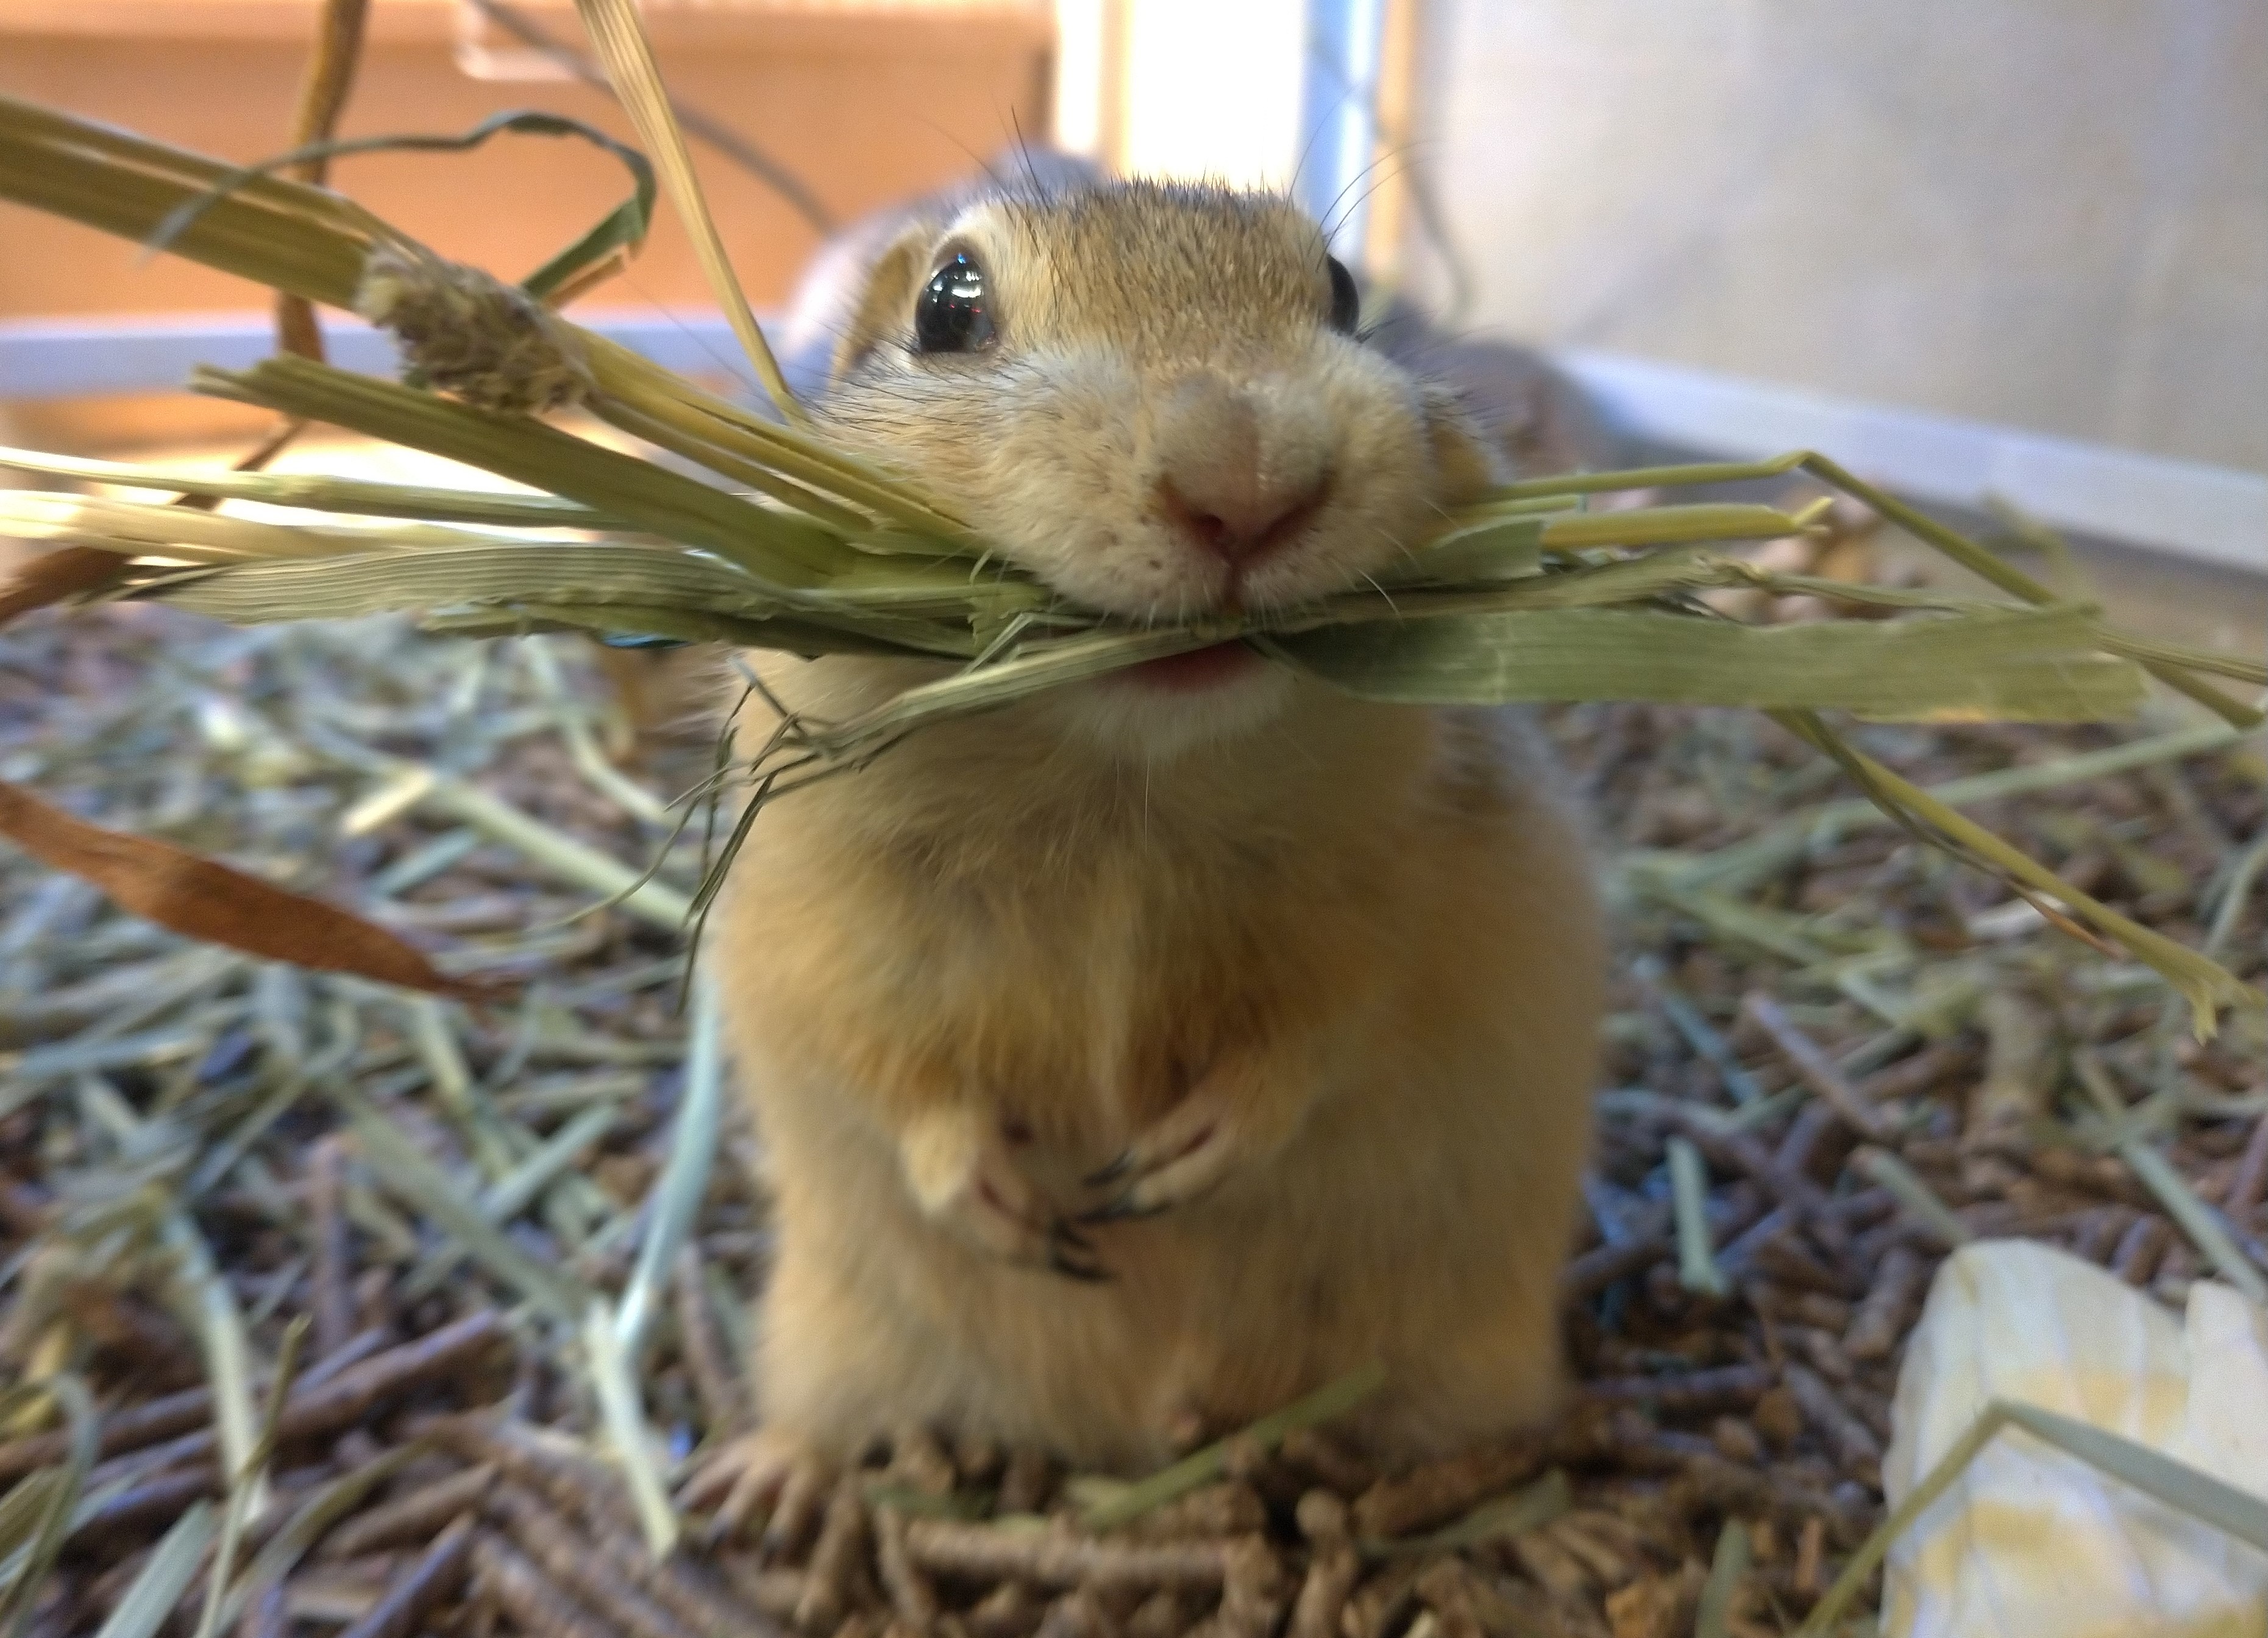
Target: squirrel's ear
<point x="886" y="306"/>
<point x="1462" y="458"/>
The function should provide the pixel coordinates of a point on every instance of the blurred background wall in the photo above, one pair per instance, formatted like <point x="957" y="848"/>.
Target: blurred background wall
<point x="2048" y="214"/>
<point x="863" y="103"/>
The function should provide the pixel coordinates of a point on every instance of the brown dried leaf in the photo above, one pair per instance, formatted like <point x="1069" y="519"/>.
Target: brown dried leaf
<point x="203" y="899"/>
<point x="54" y="576"/>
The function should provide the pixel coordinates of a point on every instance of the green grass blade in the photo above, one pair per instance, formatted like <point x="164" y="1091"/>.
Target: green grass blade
<point x="154" y="1595"/>
<point x="614" y="1376"/>
<point x="1699" y="1033"/>
<point x="2200" y="1496"/>
<point x="2196" y="1494"/>
<point x="208" y="1302"/>
<point x="769" y="545"/>
<point x="247" y="1483"/>
<point x="563" y="855"/>
<point x="322" y="494"/>
<point x="406" y="1171"/>
<point x="2199" y="1221"/>
<point x="517" y="1190"/>
<point x="1688" y="1194"/>
<point x="630" y="587"/>
<point x="1675" y="477"/>
<point x="287" y="235"/>
<point x="1671" y="569"/>
<point x="684" y="1177"/>
<point x="1887" y="1169"/>
<point x="1828" y="1613"/>
<point x="1714" y="1618"/>
<point x="2203" y="983"/>
<point x="681" y="625"/>
<point x="1074" y="659"/>
<point x="1997" y="572"/>
<point x="55" y="1517"/>
<point x="1502" y="549"/>
<point x="378" y="581"/>
<point x="2188" y="657"/>
<point x="1500" y="1519"/>
<point x="309" y="1522"/>
<point x="22" y="1509"/>
<point x="2011" y="666"/>
<point x="1326" y="1403"/>
<point x="2204" y="1226"/>
<point x="619" y="32"/>
<point x="1660" y="525"/>
<point x="138" y="528"/>
<point x="2170" y="667"/>
<point x="645" y="386"/>
<point x="190" y="534"/>
<point x="663" y="433"/>
<point x="1759" y="856"/>
<point x="618" y="234"/>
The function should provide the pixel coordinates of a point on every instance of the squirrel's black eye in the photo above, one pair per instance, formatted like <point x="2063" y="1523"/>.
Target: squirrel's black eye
<point x="954" y="314"/>
<point x="1346" y="301"/>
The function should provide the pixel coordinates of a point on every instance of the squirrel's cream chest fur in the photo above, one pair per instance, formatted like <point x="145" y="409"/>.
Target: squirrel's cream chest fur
<point x="1169" y="1047"/>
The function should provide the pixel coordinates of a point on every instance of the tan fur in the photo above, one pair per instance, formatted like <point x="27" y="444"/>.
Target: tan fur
<point x="1334" y="967"/>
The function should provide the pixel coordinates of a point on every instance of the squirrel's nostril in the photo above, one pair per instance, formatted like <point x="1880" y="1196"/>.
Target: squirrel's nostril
<point x="1240" y="521"/>
<point x="1240" y="470"/>
<point x="1206" y="529"/>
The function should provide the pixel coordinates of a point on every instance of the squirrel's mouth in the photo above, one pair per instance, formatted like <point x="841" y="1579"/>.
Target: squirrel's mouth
<point x="1198" y="669"/>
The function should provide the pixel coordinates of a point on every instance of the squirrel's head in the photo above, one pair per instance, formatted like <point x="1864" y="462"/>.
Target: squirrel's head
<point x="1154" y="398"/>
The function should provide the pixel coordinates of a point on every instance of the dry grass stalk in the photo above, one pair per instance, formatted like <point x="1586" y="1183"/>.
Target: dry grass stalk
<point x="1200" y="1468"/>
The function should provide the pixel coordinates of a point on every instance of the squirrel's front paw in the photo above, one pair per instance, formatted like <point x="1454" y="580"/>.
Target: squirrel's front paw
<point x="963" y="1177"/>
<point x="1227" y="1120"/>
<point x="770" y="1475"/>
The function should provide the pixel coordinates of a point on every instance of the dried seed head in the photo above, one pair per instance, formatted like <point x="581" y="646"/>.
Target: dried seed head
<point x="469" y="334"/>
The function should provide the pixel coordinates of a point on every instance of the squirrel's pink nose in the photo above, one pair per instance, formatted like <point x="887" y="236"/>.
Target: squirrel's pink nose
<point x="1234" y="493"/>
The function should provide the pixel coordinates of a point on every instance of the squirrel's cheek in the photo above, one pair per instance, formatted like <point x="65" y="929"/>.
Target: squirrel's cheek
<point x="1056" y="478"/>
<point x="1462" y="465"/>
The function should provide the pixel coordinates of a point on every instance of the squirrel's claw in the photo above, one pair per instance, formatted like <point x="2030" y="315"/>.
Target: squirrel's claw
<point x="965" y="1179"/>
<point x="768" y="1473"/>
<point x="1177" y="1159"/>
<point x="1070" y="1254"/>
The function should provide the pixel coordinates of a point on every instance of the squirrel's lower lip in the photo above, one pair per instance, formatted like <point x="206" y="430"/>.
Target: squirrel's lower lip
<point x="1199" y="668"/>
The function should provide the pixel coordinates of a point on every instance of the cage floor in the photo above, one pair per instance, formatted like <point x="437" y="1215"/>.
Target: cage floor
<point x="1865" y="1044"/>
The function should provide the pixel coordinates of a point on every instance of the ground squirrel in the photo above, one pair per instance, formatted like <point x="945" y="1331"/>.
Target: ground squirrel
<point x="1153" y="1053"/>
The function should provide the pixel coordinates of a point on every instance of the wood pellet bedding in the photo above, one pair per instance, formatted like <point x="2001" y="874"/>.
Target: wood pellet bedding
<point x="1870" y="1051"/>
